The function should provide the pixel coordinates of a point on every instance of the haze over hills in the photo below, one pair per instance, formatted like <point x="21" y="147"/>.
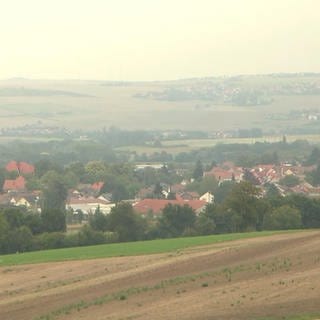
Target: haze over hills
<point x="268" y="102"/>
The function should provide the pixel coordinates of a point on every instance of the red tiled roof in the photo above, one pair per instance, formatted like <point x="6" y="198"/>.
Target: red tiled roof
<point x="26" y="168"/>
<point x="21" y="167"/>
<point x="17" y="184"/>
<point x="157" y="205"/>
<point x="97" y="186"/>
<point x="12" y="166"/>
<point x="221" y="174"/>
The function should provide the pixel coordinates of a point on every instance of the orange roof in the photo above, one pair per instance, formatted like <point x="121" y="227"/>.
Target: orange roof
<point x="26" y="168"/>
<point x="21" y="167"/>
<point x="97" y="185"/>
<point x="157" y="205"/>
<point x="225" y="174"/>
<point x="17" y="184"/>
<point x="12" y="166"/>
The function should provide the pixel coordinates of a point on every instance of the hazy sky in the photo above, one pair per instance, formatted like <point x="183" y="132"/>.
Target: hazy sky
<point x="157" y="39"/>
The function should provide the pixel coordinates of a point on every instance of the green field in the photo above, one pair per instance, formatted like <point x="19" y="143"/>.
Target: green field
<point x="123" y="249"/>
<point x="297" y="317"/>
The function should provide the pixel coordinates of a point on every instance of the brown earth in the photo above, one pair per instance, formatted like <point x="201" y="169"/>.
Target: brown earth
<point x="245" y="279"/>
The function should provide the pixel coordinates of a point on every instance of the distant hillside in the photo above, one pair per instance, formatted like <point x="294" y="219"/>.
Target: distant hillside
<point x="28" y="92"/>
<point x="275" y="103"/>
<point x="252" y="90"/>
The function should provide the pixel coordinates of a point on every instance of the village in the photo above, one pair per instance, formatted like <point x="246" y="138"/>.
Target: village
<point x="85" y="198"/>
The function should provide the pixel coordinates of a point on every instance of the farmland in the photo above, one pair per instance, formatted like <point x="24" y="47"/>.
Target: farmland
<point x="272" y="277"/>
<point x="186" y="145"/>
<point x="120" y="249"/>
<point x="96" y="104"/>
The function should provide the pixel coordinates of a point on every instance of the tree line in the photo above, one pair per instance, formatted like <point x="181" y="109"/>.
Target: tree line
<point x="242" y="209"/>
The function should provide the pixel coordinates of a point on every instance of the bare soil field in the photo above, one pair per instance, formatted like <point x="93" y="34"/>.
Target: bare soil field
<point x="271" y="276"/>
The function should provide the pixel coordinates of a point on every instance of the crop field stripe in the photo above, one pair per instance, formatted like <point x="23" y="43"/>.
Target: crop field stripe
<point x="295" y="317"/>
<point x="123" y="249"/>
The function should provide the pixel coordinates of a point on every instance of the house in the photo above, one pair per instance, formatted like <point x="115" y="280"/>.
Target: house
<point x="89" y="190"/>
<point x="187" y="195"/>
<point x="20" y="199"/>
<point x="4" y="199"/>
<point x="145" y="192"/>
<point x="11" y="185"/>
<point x="225" y="174"/>
<point x="20" y="167"/>
<point x="265" y="173"/>
<point x="207" y="197"/>
<point x="97" y="186"/>
<point x="156" y="206"/>
<point x="20" y="202"/>
<point x="88" y="205"/>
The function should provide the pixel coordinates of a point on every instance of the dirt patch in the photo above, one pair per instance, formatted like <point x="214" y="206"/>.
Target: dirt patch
<point x="244" y="279"/>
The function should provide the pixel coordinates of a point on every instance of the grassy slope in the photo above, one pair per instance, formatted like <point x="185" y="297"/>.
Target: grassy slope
<point x="122" y="249"/>
<point x="298" y="317"/>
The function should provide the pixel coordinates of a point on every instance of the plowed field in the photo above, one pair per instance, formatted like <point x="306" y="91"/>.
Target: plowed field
<point x="271" y="276"/>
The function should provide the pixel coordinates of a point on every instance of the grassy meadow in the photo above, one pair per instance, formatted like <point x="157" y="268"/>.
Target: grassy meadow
<point x="123" y="249"/>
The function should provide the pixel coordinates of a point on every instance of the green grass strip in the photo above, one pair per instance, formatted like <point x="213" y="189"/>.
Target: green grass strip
<point x="123" y="249"/>
<point x="294" y="317"/>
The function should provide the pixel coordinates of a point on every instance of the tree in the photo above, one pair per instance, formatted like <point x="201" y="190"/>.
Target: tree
<point x="4" y="230"/>
<point x="198" y="171"/>
<point x="284" y="217"/>
<point x="223" y="191"/>
<point x="19" y="240"/>
<point x="309" y="208"/>
<point x="95" y="171"/>
<point x="313" y="177"/>
<point x="157" y="191"/>
<point x="54" y="194"/>
<point x="176" y="220"/>
<point x="14" y="217"/>
<point x="124" y="221"/>
<point x="53" y="220"/>
<point x="88" y="236"/>
<point x="205" y="223"/>
<point x="290" y="181"/>
<point x="78" y="169"/>
<point x="98" y="221"/>
<point x="250" y="177"/>
<point x="272" y="191"/>
<point x="243" y="202"/>
<point x="2" y="178"/>
<point x="207" y="184"/>
<point x="314" y="157"/>
<point x="33" y="183"/>
<point x="53" y="205"/>
<point x="44" y="165"/>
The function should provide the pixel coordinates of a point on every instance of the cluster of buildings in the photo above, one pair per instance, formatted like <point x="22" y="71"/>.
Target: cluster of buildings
<point x="263" y="175"/>
<point x="87" y="198"/>
<point x="14" y="188"/>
